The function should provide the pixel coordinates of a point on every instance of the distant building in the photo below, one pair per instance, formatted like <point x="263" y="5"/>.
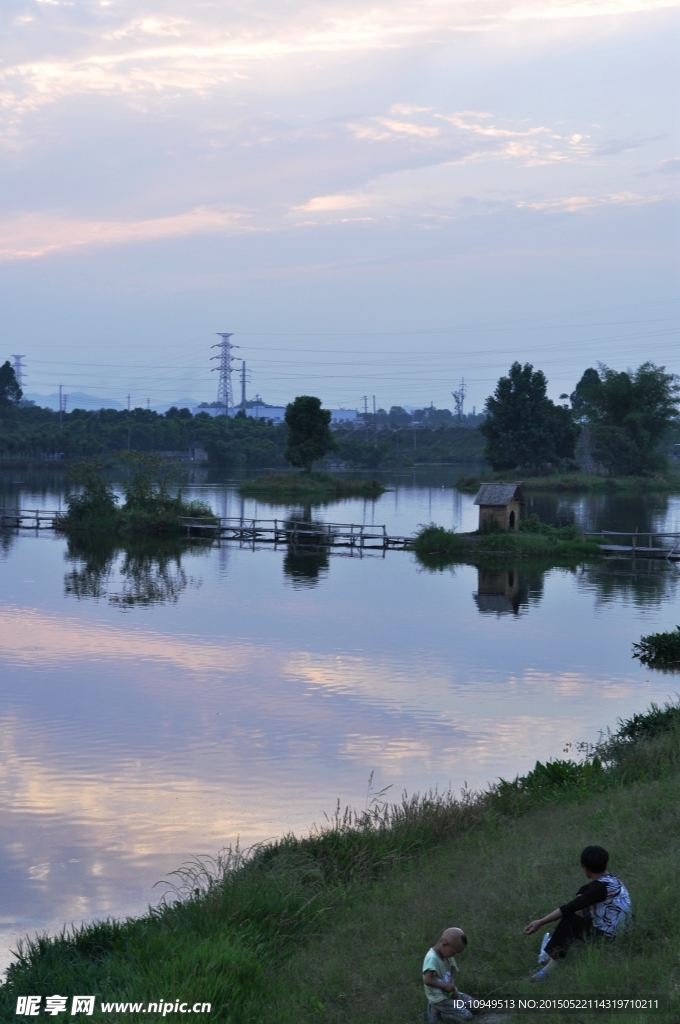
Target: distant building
<point x="209" y="408"/>
<point x="499" y="504"/>
<point x="344" y="416"/>
<point x="193" y="454"/>
<point x="197" y="454"/>
<point x="275" y="413"/>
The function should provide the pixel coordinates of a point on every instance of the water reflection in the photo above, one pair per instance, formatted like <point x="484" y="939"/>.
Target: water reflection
<point x="507" y="591"/>
<point x="6" y="539"/>
<point x="613" y="511"/>
<point x="642" y="581"/>
<point x="148" y="573"/>
<point x="307" y="558"/>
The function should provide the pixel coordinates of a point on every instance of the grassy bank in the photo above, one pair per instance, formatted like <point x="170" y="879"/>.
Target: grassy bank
<point x="437" y="547"/>
<point x="284" y="488"/>
<point x="333" y="926"/>
<point x="582" y="483"/>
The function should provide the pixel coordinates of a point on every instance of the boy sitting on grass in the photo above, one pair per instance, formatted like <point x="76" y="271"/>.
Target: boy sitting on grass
<point x="444" y="1000"/>
<point x="600" y="909"/>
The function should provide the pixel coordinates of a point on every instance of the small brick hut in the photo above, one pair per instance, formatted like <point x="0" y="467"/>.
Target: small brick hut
<point x="499" y="503"/>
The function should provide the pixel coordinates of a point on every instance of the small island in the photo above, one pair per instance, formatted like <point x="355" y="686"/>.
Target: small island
<point x="154" y="503"/>
<point x="436" y="547"/>
<point x="284" y="488"/>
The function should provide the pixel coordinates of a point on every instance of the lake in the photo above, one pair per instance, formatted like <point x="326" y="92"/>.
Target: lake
<point x="159" y="706"/>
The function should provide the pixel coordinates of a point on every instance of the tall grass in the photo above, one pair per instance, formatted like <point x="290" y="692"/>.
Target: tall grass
<point x="241" y="930"/>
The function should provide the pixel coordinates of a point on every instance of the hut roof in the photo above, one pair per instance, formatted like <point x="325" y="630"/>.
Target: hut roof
<point x="499" y="494"/>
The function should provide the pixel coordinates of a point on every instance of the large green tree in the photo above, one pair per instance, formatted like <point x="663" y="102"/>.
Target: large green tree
<point x="524" y="429"/>
<point x="10" y="392"/>
<point x="630" y="413"/>
<point x="309" y="434"/>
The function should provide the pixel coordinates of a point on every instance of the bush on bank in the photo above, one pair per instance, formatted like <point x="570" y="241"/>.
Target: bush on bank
<point x="659" y="650"/>
<point x="234" y="929"/>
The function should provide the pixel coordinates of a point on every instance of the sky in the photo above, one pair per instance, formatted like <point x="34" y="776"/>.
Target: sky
<point x="375" y="198"/>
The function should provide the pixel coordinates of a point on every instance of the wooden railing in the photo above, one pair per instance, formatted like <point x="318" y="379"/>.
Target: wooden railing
<point x="636" y="546"/>
<point x="32" y="519"/>
<point x="296" y="532"/>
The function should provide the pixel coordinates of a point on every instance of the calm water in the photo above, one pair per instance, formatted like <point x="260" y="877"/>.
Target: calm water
<point x="156" y="708"/>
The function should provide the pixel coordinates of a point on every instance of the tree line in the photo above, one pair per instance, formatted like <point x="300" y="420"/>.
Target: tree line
<point x="622" y="421"/>
<point x="617" y="422"/>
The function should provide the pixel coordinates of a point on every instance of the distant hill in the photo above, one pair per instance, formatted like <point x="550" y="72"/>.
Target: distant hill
<point x="74" y="400"/>
<point x="81" y="400"/>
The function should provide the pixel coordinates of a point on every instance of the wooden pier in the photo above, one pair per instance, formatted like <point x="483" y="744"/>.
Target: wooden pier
<point x="353" y="536"/>
<point x="668" y="549"/>
<point x="30" y="519"/>
<point x="298" y="533"/>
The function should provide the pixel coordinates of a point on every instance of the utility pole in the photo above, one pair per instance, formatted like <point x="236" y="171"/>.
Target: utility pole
<point x="375" y="426"/>
<point x="459" y="398"/>
<point x="225" y="394"/>
<point x="19" y="370"/>
<point x="243" y="385"/>
<point x="60" y="408"/>
<point x="366" y="417"/>
<point x="128" y="403"/>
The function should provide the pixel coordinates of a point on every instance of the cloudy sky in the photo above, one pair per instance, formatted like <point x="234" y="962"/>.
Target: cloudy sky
<point x="377" y="198"/>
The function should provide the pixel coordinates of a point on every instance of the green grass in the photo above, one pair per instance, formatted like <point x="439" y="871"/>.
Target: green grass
<point x="333" y="926"/>
<point x="437" y="547"/>
<point x="582" y="483"/>
<point x="659" y="650"/>
<point x="282" y="488"/>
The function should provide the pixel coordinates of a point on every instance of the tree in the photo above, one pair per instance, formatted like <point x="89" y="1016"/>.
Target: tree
<point x="10" y="392"/>
<point x="309" y="436"/>
<point x="523" y="427"/>
<point x="630" y="414"/>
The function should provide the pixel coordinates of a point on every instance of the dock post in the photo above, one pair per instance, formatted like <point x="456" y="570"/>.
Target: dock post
<point x="634" y="538"/>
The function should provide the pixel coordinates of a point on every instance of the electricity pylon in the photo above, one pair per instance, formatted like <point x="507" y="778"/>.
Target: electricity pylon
<point x="459" y="398"/>
<point x="225" y="394"/>
<point x="19" y="369"/>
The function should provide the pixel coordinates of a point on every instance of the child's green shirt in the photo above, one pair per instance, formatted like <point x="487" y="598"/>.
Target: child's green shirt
<point x="441" y="967"/>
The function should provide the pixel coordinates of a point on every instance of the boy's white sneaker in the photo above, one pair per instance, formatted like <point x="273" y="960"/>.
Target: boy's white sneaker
<point x="543" y="956"/>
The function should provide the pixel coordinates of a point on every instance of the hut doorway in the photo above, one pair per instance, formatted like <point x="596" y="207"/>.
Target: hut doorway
<point x="512" y="519"/>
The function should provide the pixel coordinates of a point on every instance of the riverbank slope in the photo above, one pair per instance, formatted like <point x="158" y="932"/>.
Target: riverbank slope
<point x="334" y="926"/>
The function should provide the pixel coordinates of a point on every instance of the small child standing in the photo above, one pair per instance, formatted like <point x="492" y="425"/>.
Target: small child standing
<point x="444" y="1000"/>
